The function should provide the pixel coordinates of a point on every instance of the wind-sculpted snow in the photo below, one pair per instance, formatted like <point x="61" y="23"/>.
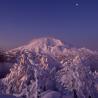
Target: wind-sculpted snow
<point x="48" y="68"/>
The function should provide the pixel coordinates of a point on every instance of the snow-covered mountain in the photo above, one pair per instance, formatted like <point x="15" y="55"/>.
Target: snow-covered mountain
<point x="50" y="68"/>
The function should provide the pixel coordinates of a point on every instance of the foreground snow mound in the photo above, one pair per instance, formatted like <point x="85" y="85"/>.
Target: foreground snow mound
<point x="47" y="64"/>
<point x="54" y="94"/>
<point x="51" y="94"/>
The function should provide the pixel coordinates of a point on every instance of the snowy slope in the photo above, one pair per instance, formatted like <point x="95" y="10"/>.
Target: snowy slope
<point x="49" y="64"/>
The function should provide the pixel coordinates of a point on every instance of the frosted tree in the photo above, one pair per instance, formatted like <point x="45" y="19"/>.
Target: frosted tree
<point x="74" y="75"/>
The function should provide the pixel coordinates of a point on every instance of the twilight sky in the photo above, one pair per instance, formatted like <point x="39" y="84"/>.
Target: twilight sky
<point x="74" y="21"/>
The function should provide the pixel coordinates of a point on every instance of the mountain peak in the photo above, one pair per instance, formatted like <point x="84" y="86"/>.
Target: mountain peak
<point x="48" y="41"/>
<point x="45" y="44"/>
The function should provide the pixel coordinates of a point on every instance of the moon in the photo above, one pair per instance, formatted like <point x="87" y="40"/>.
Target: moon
<point x="76" y="4"/>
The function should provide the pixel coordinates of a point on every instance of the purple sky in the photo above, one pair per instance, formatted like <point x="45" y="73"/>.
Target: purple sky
<point x="22" y="20"/>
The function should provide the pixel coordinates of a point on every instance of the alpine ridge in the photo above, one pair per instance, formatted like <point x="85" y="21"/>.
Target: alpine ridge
<point x="50" y="68"/>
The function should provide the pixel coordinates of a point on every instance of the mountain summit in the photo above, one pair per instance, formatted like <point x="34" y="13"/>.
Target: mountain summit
<point x="46" y="44"/>
<point x="47" y="67"/>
